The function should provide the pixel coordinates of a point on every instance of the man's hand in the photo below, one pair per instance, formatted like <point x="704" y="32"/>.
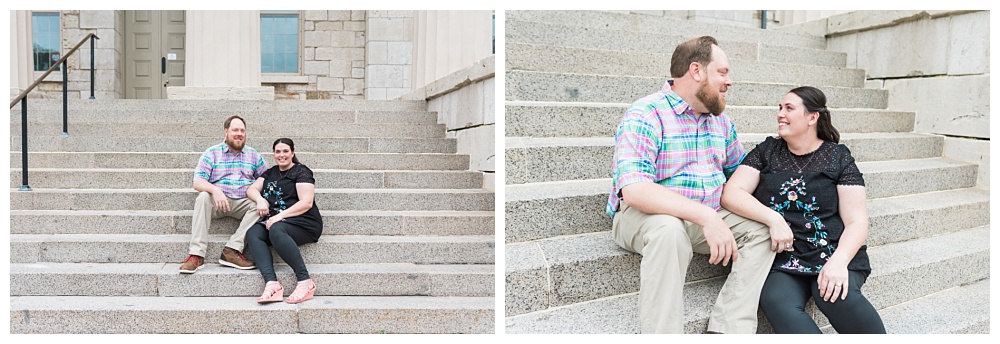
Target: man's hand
<point x="221" y="201"/>
<point x="721" y="242"/>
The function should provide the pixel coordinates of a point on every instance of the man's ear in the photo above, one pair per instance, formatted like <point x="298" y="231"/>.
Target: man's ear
<point x="695" y="70"/>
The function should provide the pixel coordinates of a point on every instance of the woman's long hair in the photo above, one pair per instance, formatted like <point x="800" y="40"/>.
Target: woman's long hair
<point x="291" y="145"/>
<point x="815" y="101"/>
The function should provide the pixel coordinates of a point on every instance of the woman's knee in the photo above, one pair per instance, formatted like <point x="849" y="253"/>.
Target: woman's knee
<point x="256" y="232"/>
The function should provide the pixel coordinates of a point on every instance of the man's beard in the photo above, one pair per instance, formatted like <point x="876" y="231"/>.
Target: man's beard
<point x="232" y="144"/>
<point x="714" y="102"/>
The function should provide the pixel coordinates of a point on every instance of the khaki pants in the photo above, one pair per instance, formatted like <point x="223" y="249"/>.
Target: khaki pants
<point x="666" y="244"/>
<point x="205" y="211"/>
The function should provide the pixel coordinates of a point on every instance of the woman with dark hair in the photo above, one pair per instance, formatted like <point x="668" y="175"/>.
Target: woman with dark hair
<point x="806" y="187"/>
<point x="289" y="218"/>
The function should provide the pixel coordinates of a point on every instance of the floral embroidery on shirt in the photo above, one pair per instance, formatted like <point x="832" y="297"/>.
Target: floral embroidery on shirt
<point x="795" y="194"/>
<point x="274" y="192"/>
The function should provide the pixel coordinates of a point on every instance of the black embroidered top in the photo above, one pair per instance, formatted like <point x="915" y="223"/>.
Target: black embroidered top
<point x="281" y="194"/>
<point x="808" y="200"/>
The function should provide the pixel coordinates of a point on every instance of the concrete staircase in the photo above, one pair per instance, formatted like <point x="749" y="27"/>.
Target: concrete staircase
<point x="570" y="77"/>
<point x="408" y="243"/>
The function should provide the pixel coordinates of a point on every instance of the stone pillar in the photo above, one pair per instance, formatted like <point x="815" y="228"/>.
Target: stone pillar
<point x="389" y="49"/>
<point x="223" y="57"/>
<point x="20" y="52"/>
<point x="447" y="41"/>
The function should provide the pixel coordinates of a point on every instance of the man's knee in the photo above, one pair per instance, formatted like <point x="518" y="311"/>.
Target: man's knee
<point x="203" y="199"/>
<point x="667" y="232"/>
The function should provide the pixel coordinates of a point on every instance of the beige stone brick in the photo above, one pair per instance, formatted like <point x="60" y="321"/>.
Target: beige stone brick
<point x="343" y="15"/>
<point x="387" y="29"/>
<point x="343" y="39"/>
<point x="400" y="53"/>
<point x="316" y="68"/>
<point x="317" y="38"/>
<point x="385" y="76"/>
<point x="357" y="15"/>
<point x="315" y="15"/>
<point x="330" y="84"/>
<point x="340" y="53"/>
<point x="340" y="68"/>
<point x="329" y="26"/>
<point x="91" y="19"/>
<point x="354" y="86"/>
<point x="378" y="53"/>
<point x="358" y="73"/>
<point x="354" y="26"/>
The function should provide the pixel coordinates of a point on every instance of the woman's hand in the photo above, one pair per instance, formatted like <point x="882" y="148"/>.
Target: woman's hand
<point x="262" y="209"/>
<point x="272" y="220"/>
<point x="833" y="280"/>
<point x="781" y="235"/>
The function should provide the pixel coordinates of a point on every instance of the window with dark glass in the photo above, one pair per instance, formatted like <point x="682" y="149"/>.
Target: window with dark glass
<point x="45" y="39"/>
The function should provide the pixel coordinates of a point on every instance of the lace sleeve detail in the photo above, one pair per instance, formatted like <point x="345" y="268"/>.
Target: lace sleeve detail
<point x="850" y="174"/>
<point x="756" y="158"/>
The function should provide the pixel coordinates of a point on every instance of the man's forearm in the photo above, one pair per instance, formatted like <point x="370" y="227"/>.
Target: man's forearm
<point x="204" y="186"/>
<point x="652" y="198"/>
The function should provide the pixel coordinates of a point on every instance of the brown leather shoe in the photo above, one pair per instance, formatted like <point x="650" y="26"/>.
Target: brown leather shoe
<point x="191" y="264"/>
<point x="234" y="258"/>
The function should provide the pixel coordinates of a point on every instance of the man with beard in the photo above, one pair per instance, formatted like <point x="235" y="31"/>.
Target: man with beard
<point x="674" y="150"/>
<point x="222" y="177"/>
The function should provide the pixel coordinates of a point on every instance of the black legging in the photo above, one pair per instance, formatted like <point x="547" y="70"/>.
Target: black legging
<point x="783" y="300"/>
<point x="286" y="239"/>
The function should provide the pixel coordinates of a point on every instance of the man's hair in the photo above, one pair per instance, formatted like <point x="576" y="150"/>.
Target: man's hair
<point x="694" y="50"/>
<point x="230" y="121"/>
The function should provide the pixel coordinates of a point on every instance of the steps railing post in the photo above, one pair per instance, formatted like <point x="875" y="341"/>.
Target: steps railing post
<point x="65" y="97"/>
<point x="24" y="145"/>
<point x="92" y="66"/>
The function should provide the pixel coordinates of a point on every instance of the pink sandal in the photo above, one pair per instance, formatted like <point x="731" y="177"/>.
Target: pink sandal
<point x="303" y="291"/>
<point x="273" y="292"/>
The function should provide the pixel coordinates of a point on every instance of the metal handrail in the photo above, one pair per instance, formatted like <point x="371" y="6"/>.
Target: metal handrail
<point x="23" y="99"/>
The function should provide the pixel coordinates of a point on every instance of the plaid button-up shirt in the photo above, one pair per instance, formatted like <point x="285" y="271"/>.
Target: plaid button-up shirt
<point x="231" y="172"/>
<point x="661" y="139"/>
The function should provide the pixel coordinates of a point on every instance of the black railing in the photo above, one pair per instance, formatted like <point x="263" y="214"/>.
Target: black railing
<point x="23" y="99"/>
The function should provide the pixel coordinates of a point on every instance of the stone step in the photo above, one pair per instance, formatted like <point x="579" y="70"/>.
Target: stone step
<point x="558" y="87"/>
<point x="597" y="302"/>
<point x="531" y="160"/>
<point x="963" y="309"/>
<point x="549" y="210"/>
<point x="346" y="161"/>
<point x="353" y="222"/>
<point x="214" y="130"/>
<point x="183" y="199"/>
<point x="172" y="248"/>
<point x="543" y="119"/>
<point x="55" y="143"/>
<point x="129" y="178"/>
<point x="232" y="106"/>
<point x="52" y="117"/>
<point x="163" y="279"/>
<point x="557" y="59"/>
<point x="542" y="33"/>
<point x="324" y="314"/>
<point x="597" y="20"/>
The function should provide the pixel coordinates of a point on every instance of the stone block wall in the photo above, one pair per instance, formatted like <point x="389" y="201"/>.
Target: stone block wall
<point x="109" y="55"/>
<point x="745" y="18"/>
<point x="934" y="63"/>
<point x="390" y="54"/>
<point x="465" y="102"/>
<point x="333" y="61"/>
